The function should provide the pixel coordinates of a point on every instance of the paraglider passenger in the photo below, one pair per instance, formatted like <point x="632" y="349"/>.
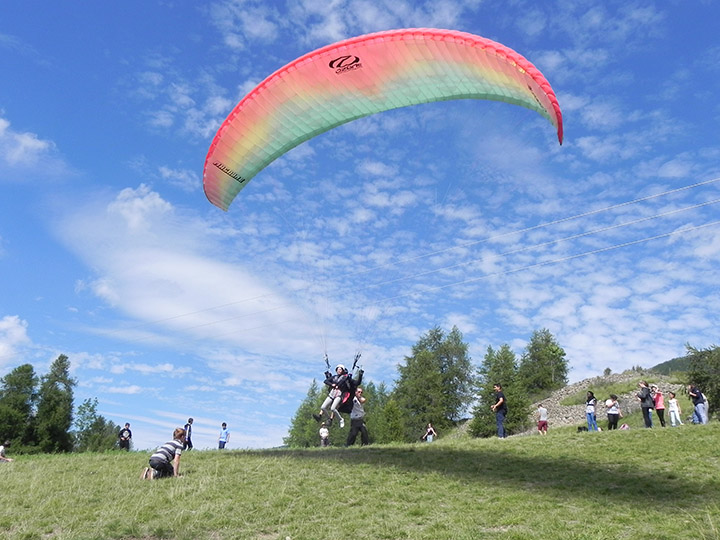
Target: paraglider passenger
<point x="166" y="459"/>
<point x="336" y="383"/>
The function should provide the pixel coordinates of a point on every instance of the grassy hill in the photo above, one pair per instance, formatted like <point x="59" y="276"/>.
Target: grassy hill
<point x="608" y="485"/>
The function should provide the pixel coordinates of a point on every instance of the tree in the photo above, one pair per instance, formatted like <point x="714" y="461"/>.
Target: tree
<point x="55" y="408"/>
<point x="435" y="382"/>
<point x="543" y="367"/>
<point x="18" y="394"/>
<point x="704" y="370"/>
<point x="93" y="433"/>
<point x="303" y="431"/>
<point x="499" y="367"/>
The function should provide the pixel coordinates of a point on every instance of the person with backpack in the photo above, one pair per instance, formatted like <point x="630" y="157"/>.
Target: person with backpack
<point x="646" y="403"/>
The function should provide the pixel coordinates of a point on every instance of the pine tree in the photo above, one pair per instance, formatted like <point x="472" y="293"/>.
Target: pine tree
<point x="435" y="382"/>
<point x="18" y="395"/>
<point x="543" y="366"/>
<point x="303" y="431"/>
<point x="55" y="408"/>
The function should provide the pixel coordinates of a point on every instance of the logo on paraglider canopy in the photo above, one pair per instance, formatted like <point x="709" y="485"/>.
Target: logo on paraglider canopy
<point x="227" y="170"/>
<point x="343" y="64"/>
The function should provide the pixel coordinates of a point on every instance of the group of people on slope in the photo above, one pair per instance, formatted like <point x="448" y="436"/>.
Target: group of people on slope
<point x="344" y="395"/>
<point x="650" y="398"/>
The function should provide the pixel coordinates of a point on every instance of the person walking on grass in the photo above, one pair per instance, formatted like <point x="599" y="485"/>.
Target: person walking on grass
<point x="430" y="433"/>
<point x="500" y="409"/>
<point x="674" y="410"/>
<point x="659" y="403"/>
<point x="165" y="461"/>
<point x="188" y="434"/>
<point x="646" y="403"/>
<point x="324" y="433"/>
<point x="224" y="437"/>
<point x="613" y="412"/>
<point x="590" y="405"/>
<point x="542" y="423"/>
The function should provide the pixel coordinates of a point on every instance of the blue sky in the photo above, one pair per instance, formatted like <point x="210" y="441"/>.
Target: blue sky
<point x="462" y="213"/>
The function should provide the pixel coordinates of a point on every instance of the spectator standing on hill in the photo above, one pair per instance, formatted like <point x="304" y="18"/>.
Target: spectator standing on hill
<point x="500" y="409"/>
<point x="613" y="411"/>
<point x="590" y="406"/>
<point x="659" y="402"/>
<point x="542" y="423"/>
<point x="165" y="461"/>
<point x="646" y="403"/>
<point x="324" y="433"/>
<point x="188" y="434"/>
<point x="224" y="437"/>
<point x="698" y="399"/>
<point x="124" y="438"/>
<point x="674" y="410"/>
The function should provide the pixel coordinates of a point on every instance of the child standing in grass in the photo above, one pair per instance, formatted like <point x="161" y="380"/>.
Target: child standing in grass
<point x="674" y="410"/>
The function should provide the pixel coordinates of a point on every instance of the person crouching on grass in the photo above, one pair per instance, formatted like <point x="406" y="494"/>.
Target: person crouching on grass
<point x="166" y="459"/>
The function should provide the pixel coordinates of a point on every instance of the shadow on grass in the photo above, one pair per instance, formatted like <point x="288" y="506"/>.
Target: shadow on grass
<point x="496" y="468"/>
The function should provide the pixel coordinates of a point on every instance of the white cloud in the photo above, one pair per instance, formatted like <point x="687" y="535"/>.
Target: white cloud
<point x="13" y="337"/>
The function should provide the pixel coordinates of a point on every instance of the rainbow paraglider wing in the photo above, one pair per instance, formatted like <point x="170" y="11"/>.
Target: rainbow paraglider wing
<point x="358" y="77"/>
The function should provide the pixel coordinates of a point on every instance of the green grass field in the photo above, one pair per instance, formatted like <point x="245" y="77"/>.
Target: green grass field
<point x="660" y="483"/>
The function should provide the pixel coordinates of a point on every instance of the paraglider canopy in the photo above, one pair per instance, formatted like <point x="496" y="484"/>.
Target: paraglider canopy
<point x="358" y="77"/>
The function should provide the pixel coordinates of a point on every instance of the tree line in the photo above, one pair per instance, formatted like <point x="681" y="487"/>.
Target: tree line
<point x="37" y="413"/>
<point x="438" y="384"/>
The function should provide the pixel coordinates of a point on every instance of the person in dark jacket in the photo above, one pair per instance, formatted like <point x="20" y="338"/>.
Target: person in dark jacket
<point x="646" y="403"/>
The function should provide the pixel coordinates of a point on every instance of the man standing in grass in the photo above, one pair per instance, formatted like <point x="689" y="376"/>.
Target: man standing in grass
<point x="500" y="410"/>
<point x="124" y="438"/>
<point x="188" y="434"/>
<point x="224" y="437"/>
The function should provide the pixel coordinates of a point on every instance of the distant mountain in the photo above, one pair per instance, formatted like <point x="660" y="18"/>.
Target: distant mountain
<point x="676" y="364"/>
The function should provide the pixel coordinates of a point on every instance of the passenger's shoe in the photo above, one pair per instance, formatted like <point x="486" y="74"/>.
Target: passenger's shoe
<point x="316" y="417"/>
<point x="342" y="422"/>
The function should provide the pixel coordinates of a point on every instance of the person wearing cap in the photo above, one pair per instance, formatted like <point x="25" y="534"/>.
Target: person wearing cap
<point x="336" y="383"/>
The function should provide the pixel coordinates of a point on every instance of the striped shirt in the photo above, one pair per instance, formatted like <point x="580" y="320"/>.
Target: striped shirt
<point x="168" y="451"/>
